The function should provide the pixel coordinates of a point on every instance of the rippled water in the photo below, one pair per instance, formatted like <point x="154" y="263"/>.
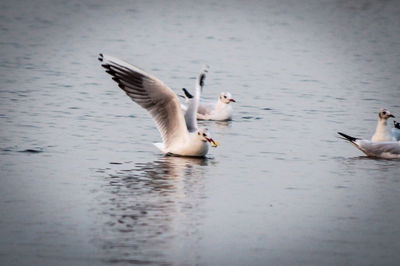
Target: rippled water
<point x="82" y="184"/>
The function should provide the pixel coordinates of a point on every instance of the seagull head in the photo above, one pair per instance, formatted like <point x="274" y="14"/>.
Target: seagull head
<point x="205" y="136"/>
<point x="384" y="114"/>
<point x="226" y="97"/>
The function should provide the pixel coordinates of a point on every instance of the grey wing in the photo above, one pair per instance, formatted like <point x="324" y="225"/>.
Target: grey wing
<point x="380" y="149"/>
<point x="151" y="94"/>
<point x="193" y="103"/>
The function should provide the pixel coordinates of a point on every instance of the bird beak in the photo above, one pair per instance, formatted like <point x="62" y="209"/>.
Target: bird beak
<point x="392" y="116"/>
<point x="212" y="142"/>
<point x="232" y="100"/>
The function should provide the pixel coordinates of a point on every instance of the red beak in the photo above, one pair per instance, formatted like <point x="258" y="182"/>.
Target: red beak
<point x="232" y="100"/>
<point x="212" y="142"/>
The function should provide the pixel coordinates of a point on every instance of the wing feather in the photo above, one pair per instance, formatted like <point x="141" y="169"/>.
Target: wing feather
<point x="379" y="149"/>
<point x="151" y="94"/>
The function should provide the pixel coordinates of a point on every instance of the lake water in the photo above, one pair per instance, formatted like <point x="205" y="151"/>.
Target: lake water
<point x="81" y="183"/>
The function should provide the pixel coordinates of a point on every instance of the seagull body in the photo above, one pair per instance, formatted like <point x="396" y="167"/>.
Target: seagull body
<point x="185" y="147"/>
<point x="219" y="111"/>
<point x="382" y="132"/>
<point x="179" y="133"/>
<point x="385" y="150"/>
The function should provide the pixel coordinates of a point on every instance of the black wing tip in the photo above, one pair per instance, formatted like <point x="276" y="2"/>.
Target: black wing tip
<point x="100" y="57"/>
<point x="396" y="124"/>
<point x="187" y="94"/>
<point x="202" y="78"/>
<point x="121" y="86"/>
<point x="347" y="137"/>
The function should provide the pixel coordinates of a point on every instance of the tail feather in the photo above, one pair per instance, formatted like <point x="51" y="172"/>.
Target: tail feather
<point x="347" y="137"/>
<point x="187" y="94"/>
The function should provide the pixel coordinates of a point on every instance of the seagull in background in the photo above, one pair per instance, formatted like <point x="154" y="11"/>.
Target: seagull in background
<point x="218" y="111"/>
<point x="179" y="133"/>
<point x="385" y="150"/>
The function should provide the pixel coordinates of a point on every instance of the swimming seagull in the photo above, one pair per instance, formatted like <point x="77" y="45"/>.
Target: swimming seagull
<point x="382" y="132"/>
<point x="386" y="150"/>
<point x="180" y="134"/>
<point x="219" y="111"/>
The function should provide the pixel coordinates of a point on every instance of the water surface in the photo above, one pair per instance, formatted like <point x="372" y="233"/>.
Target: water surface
<point x="82" y="184"/>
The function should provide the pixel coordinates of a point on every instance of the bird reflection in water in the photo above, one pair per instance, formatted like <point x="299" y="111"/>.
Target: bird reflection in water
<point x="152" y="210"/>
<point x="223" y="124"/>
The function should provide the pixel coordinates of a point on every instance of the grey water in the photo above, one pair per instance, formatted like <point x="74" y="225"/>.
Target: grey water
<point x="82" y="184"/>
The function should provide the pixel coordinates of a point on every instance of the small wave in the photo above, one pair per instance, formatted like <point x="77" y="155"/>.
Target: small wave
<point x="32" y="150"/>
<point x="249" y="117"/>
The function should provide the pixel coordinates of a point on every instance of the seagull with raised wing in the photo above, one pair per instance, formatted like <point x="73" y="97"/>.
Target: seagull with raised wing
<point x="385" y="150"/>
<point x="179" y="133"/>
<point x="382" y="132"/>
<point x="218" y="111"/>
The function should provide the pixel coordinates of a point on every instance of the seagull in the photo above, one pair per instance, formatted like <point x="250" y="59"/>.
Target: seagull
<point x="219" y="111"/>
<point x="396" y="130"/>
<point x="179" y="133"/>
<point x="385" y="150"/>
<point x="382" y="132"/>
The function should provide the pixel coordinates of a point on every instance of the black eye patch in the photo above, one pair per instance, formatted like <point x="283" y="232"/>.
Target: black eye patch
<point x="204" y="134"/>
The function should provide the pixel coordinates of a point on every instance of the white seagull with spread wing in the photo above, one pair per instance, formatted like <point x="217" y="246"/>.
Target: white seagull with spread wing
<point x="179" y="133"/>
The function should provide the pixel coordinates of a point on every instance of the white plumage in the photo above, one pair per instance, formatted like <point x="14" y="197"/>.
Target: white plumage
<point x="221" y="110"/>
<point x="179" y="133"/>
<point x="386" y="150"/>
<point x="382" y="132"/>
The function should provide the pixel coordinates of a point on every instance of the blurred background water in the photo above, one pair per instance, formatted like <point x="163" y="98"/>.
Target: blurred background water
<point x="82" y="184"/>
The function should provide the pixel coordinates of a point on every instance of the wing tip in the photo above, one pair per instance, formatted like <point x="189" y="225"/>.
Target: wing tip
<point x="101" y="57"/>
<point x="396" y="124"/>
<point x="202" y="76"/>
<point x="202" y="79"/>
<point x="347" y="137"/>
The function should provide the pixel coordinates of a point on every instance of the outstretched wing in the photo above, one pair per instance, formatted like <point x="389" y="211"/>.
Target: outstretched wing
<point x="193" y="103"/>
<point x="151" y="94"/>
